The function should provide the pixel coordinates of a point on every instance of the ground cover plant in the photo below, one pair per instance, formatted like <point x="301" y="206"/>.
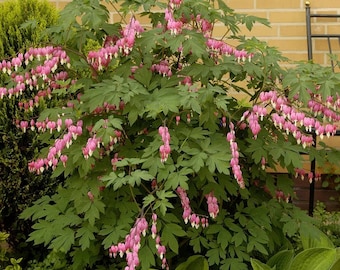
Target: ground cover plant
<point x="163" y="167"/>
<point x="317" y="252"/>
<point x="329" y="222"/>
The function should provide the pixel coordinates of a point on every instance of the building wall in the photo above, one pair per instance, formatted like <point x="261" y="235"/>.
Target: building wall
<point x="288" y="25"/>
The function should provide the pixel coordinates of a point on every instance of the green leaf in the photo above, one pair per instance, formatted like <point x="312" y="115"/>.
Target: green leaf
<point x="162" y="101"/>
<point x="110" y="179"/>
<point x="176" y="179"/>
<point x="112" y="91"/>
<point x="208" y="118"/>
<point x="223" y="237"/>
<point x="336" y="265"/>
<point x="143" y="75"/>
<point x="281" y="260"/>
<point x="92" y="214"/>
<point x="83" y="204"/>
<point x="290" y="228"/>
<point x="261" y="218"/>
<point x="213" y="255"/>
<point x="219" y="161"/>
<point x="261" y="248"/>
<point x="86" y="235"/>
<point x="30" y="211"/>
<point x="249" y="21"/>
<point x="176" y="229"/>
<point x="239" y="238"/>
<point x="3" y="236"/>
<point x="197" y="262"/>
<point x="196" y="162"/>
<point x="233" y="264"/>
<point x="285" y="183"/>
<point x="115" y="122"/>
<point x="163" y="206"/>
<point x="257" y="148"/>
<point x="81" y="258"/>
<point x="194" y="44"/>
<point x="314" y="259"/>
<point x="44" y="232"/>
<point x="175" y="42"/>
<point x="113" y="234"/>
<point x="169" y="233"/>
<point x="213" y="229"/>
<point x="144" y="175"/>
<point x="196" y="244"/>
<point x="257" y="265"/>
<point x="147" y="257"/>
<point x="287" y="154"/>
<point x="64" y="241"/>
<point x="148" y="200"/>
<point x="312" y="237"/>
<point x="189" y="100"/>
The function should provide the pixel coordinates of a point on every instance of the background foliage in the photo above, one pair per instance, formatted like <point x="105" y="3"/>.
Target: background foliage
<point x="329" y="222"/>
<point x="22" y="24"/>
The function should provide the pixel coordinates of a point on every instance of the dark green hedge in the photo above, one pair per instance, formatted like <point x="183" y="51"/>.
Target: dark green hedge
<point x="22" y="23"/>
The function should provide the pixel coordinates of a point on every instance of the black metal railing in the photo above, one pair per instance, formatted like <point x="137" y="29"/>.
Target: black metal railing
<point x="310" y="37"/>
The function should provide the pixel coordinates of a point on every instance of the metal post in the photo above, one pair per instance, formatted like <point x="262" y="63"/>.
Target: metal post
<point x="310" y="57"/>
<point x="330" y="51"/>
<point x="312" y="184"/>
<point x="309" y="31"/>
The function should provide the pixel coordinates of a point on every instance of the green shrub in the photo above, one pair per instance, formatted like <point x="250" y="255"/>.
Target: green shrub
<point x="6" y="262"/>
<point x="22" y="23"/>
<point x="317" y="252"/>
<point x="125" y="176"/>
<point x="329" y="222"/>
<point x="54" y="260"/>
<point x="18" y="187"/>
